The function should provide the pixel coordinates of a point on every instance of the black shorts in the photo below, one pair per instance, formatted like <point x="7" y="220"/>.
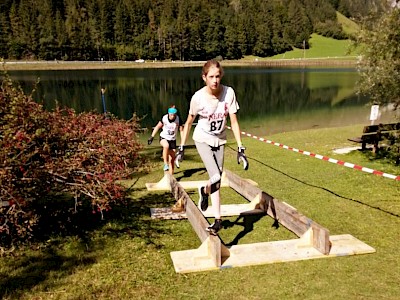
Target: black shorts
<point x="171" y="144"/>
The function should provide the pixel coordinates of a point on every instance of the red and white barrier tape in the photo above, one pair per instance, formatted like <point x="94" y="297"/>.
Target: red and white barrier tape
<point x="325" y="158"/>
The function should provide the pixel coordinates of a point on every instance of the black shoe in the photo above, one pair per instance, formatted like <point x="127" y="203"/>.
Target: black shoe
<point x="203" y="200"/>
<point x="215" y="227"/>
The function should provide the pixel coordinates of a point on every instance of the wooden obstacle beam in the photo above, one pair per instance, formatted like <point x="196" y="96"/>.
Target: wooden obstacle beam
<point x="314" y="241"/>
<point x="282" y="212"/>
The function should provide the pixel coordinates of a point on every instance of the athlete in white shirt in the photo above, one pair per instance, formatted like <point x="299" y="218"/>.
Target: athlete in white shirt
<point x="213" y="104"/>
<point x="170" y="123"/>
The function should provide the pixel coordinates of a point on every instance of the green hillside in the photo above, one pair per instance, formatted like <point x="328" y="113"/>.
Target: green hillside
<point x="349" y="27"/>
<point x="324" y="47"/>
<point x="321" y="47"/>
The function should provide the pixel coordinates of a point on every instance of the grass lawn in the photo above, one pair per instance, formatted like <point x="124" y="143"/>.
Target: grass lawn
<point x="128" y="255"/>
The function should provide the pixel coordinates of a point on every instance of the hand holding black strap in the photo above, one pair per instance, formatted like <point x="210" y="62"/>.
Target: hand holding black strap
<point x="150" y="140"/>
<point x="242" y="157"/>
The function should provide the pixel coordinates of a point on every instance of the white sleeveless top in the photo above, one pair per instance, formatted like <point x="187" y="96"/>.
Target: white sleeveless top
<point x="212" y="114"/>
<point x="170" y="128"/>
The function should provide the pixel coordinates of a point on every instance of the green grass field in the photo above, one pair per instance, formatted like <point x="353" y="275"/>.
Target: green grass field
<point x="128" y="256"/>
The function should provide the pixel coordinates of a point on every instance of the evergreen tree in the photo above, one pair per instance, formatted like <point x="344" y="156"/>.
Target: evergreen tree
<point x="47" y="31"/>
<point x="298" y="28"/>
<point x="182" y="37"/>
<point x="4" y="34"/>
<point x="232" y="45"/>
<point x="214" y="36"/>
<point x="15" y="45"/>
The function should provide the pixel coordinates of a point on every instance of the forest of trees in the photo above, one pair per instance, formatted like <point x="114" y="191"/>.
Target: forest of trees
<point x="167" y="29"/>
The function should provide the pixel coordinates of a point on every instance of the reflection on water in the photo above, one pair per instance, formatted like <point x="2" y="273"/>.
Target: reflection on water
<point x="274" y="99"/>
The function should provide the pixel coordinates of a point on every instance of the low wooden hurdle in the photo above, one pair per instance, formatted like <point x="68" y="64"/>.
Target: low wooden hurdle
<point x="314" y="240"/>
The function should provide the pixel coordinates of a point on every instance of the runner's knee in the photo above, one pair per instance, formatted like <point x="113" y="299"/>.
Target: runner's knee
<point x="215" y="183"/>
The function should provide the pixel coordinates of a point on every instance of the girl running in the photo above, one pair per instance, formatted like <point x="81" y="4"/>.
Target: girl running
<point x="170" y="123"/>
<point x="213" y="104"/>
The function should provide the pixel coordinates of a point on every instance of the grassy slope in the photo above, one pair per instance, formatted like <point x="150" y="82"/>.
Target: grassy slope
<point x="129" y="257"/>
<point x="323" y="47"/>
<point x="349" y="26"/>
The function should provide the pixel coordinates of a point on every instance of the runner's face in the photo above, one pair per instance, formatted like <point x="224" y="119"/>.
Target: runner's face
<point x="171" y="117"/>
<point x="213" y="79"/>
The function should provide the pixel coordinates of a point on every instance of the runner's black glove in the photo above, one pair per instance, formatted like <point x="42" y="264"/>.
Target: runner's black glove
<point x="242" y="157"/>
<point x="150" y="140"/>
<point x="179" y="156"/>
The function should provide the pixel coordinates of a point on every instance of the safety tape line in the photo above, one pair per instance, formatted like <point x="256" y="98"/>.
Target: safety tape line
<point x="325" y="158"/>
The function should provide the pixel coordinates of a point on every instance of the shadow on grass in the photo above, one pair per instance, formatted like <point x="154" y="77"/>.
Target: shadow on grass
<point x="88" y="232"/>
<point x="31" y="270"/>
<point x="247" y="223"/>
<point x="189" y="173"/>
<point x="133" y="219"/>
<point x="384" y="154"/>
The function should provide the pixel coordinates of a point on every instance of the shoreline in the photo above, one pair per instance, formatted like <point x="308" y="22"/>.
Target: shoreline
<point x="99" y="65"/>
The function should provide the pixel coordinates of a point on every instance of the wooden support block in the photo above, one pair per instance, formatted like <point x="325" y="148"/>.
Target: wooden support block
<point x="209" y="256"/>
<point x="270" y="252"/>
<point x="162" y="185"/>
<point x="306" y="240"/>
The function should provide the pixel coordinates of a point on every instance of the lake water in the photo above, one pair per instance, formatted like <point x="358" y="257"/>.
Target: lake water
<point x="271" y="99"/>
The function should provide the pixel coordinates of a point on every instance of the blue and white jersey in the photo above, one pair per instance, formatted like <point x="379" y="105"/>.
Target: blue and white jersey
<point x="170" y="128"/>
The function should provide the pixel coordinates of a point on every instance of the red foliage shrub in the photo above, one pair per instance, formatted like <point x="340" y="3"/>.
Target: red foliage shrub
<point x="58" y="153"/>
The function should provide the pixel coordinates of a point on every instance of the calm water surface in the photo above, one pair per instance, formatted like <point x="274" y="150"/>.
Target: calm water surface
<point x="271" y="99"/>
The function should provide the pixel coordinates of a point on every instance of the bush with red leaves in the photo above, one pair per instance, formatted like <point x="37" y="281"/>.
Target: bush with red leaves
<point x="58" y="153"/>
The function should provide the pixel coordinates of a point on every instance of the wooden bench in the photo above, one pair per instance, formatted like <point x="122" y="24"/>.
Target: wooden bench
<point x="373" y="134"/>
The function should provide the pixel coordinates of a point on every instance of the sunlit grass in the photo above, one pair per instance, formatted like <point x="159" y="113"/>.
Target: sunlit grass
<point x="322" y="47"/>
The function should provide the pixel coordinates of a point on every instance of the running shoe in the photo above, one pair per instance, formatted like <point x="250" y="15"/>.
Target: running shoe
<point x="203" y="199"/>
<point x="177" y="163"/>
<point x="166" y="167"/>
<point x="215" y="227"/>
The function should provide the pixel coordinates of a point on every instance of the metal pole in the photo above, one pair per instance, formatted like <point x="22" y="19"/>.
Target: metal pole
<point x="103" y="90"/>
